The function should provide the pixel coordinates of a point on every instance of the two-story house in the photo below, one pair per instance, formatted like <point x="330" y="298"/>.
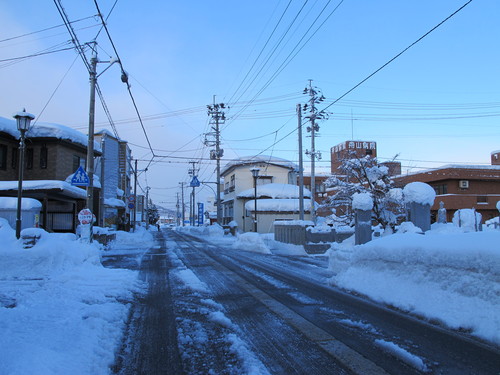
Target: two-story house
<point x="462" y="186"/>
<point x="238" y="192"/>
<point x="53" y="152"/>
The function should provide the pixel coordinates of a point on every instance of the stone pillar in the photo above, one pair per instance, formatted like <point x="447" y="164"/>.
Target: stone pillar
<point x="420" y="215"/>
<point x="419" y="197"/>
<point x="441" y="214"/>
<point x="363" y="228"/>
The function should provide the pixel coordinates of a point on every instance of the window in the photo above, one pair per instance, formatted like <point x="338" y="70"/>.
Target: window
<point x="441" y="189"/>
<point x="3" y="157"/>
<point x="43" y="157"/>
<point x="482" y="199"/>
<point x="13" y="160"/>
<point x="232" y="183"/>
<point x="29" y="158"/>
<point x="77" y="162"/>
<point x="369" y="152"/>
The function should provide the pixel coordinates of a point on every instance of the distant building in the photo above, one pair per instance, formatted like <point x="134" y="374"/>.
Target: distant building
<point x="351" y="150"/>
<point x="238" y="179"/>
<point x="462" y="186"/>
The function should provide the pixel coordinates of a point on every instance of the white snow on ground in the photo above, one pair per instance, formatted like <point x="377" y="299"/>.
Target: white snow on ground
<point x="190" y="280"/>
<point x="402" y="354"/>
<point x="61" y="311"/>
<point x="194" y="335"/>
<point x="444" y="275"/>
<point x="251" y="242"/>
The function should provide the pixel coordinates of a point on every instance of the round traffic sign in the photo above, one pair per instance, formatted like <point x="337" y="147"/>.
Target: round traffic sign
<point x="85" y="216"/>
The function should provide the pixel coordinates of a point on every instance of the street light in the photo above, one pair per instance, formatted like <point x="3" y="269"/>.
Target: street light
<point x="255" y="174"/>
<point x="23" y="120"/>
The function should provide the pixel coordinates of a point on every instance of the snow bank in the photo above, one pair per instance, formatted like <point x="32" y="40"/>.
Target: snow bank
<point x="251" y="242"/>
<point x="419" y="192"/>
<point x="141" y="237"/>
<point x="467" y="219"/>
<point x="362" y="201"/>
<point x="61" y="312"/>
<point x="448" y="277"/>
<point x="214" y="230"/>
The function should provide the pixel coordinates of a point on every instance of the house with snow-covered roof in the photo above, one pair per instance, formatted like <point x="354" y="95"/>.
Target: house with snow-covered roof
<point x="461" y="186"/>
<point x="276" y="182"/>
<point x="53" y="152"/>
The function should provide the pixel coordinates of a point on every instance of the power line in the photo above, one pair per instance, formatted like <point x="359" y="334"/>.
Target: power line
<point x="46" y="29"/>
<point x="124" y="78"/>
<point x="398" y="55"/>
<point x="36" y="54"/>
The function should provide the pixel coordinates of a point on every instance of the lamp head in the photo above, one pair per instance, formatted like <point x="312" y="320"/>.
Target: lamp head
<point x="23" y="120"/>
<point x="255" y="172"/>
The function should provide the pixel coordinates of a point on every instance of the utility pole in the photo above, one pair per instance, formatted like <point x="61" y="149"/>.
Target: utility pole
<point x="213" y="139"/>
<point x="90" y="145"/>
<point x="301" y="164"/>
<point x="90" y="140"/>
<point x="182" y="204"/>
<point x="135" y="196"/>
<point x="178" y="216"/>
<point x="192" y="208"/>
<point x="313" y="115"/>
<point x="147" y="207"/>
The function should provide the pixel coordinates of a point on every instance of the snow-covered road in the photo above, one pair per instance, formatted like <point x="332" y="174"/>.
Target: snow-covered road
<point x="274" y="314"/>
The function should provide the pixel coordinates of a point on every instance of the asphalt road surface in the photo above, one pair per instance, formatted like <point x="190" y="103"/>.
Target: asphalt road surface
<point x="211" y="309"/>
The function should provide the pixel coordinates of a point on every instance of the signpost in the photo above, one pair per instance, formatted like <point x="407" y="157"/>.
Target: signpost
<point x="200" y="214"/>
<point x="80" y="178"/>
<point x="86" y="218"/>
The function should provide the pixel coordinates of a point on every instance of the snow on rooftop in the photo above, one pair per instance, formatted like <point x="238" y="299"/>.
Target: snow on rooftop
<point x="67" y="189"/>
<point x="10" y="203"/>
<point x="419" y="192"/>
<point x="259" y="159"/>
<point x="278" y="205"/>
<point x="47" y="130"/>
<point x="451" y="166"/>
<point x="114" y="202"/>
<point x="274" y="191"/>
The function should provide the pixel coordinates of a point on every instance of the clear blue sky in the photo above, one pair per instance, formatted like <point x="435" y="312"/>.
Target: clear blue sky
<point x="438" y="103"/>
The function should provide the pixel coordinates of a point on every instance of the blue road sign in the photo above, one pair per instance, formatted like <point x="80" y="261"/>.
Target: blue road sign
<point x="80" y="178"/>
<point x="194" y="182"/>
<point x="200" y="214"/>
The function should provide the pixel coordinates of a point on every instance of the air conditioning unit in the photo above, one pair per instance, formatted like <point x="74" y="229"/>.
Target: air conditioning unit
<point x="463" y="184"/>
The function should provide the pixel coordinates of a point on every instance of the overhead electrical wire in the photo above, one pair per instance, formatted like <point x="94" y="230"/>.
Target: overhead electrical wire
<point x="37" y="54"/>
<point x="398" y="55"/>
<point x="46" y="29"/>
<point x="125" y="80"/>
<point x="261" y="51"/>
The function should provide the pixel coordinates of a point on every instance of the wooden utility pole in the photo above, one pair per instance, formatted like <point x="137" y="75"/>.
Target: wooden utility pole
<point x="301" y="164"/>
<point x="90" y="145"/>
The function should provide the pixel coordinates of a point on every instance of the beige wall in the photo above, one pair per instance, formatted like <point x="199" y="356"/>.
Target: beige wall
<point x="243" y="180"/>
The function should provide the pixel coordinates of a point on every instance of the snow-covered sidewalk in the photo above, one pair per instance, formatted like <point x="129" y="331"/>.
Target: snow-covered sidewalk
<point x="445" y="275"/>
<point x="61" y="311"/>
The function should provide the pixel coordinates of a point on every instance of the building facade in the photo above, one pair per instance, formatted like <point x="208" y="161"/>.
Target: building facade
<point x="53" y="153"/>
<point x="461" y="186"/>
<point x="238" y="177"/>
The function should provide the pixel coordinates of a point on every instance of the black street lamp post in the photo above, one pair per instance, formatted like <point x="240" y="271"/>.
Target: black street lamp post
<point x="255" y="174"/>
<point x="23" y="120"/>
